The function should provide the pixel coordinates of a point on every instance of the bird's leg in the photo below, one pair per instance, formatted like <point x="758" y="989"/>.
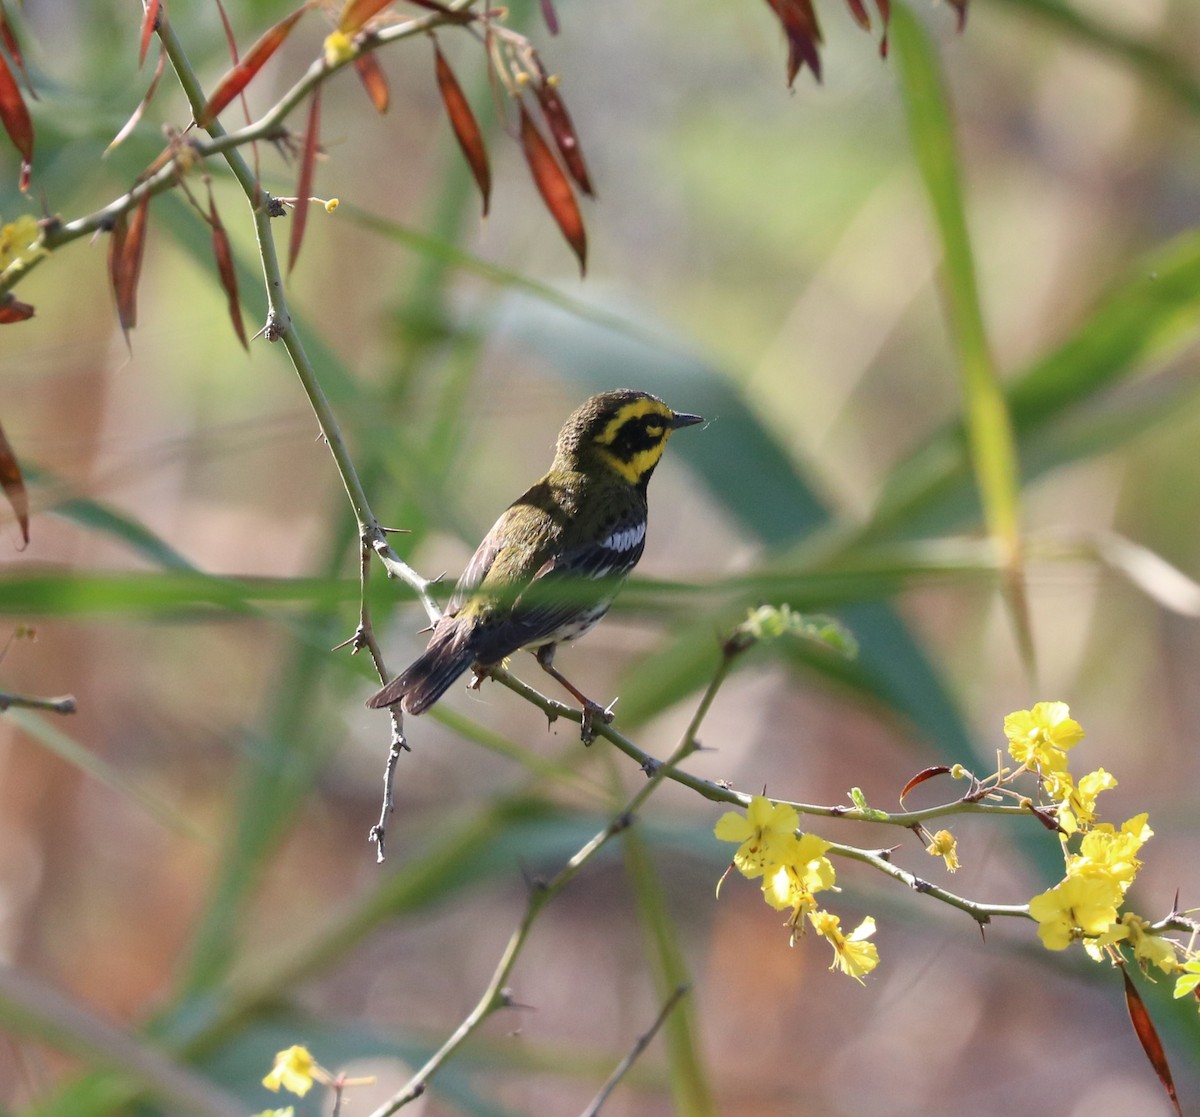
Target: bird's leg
<point x="591" y="710"/>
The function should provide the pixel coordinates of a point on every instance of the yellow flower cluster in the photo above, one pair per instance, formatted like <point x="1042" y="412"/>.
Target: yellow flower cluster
<point x="1086" y="904"/>
<point x="19" y="241"/>
<point x="793" y="869"/>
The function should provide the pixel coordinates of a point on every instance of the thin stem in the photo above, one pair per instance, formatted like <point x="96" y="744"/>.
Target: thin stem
<point x="64" y="704"/>
<point x="643" y="1041"/>
<point x="981" y="913"/>
<point x="497" y="996"/>
<point x="719" y="793"/>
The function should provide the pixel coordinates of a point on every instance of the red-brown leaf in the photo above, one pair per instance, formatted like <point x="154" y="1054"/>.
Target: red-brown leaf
<point x="466" y="127"/>
<point x="562" y="129"/>
<point x="803" y="35"/>
<point x="15" y="117"/>
<point x="125" y="251"/>
<point x="13" y="310"/>
<point x="304" y="187"/>
<point x="357" y="12"/>
<point x="374" y="81"/>
<point x="226" y="269"/>
<point x="923" y="775"/>
<point x="132" y="122"/>
<point x="858" y="10"/>
<point x="550" y="16"/>
<point x="1144" y="1029"/>
<point x="554" y="187"/>
<point x="885" y="15"/>
<point x="14" y="49"/>
<point x="149" y="22"/>
<point x="960" y="6"/>
<point x="14" y="485"/>
<point x="241" y="74"/>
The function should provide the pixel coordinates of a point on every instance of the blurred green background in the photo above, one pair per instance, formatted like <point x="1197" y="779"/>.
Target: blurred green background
<point x="184" y="871"/>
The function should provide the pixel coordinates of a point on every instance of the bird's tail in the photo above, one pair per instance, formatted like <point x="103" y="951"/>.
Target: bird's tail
<point x="429" y="677"/>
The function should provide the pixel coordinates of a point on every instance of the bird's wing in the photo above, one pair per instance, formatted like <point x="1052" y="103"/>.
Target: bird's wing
<point x="572" y="584"/>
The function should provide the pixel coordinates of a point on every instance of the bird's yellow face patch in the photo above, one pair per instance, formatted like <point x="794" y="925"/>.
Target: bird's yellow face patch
<point x="634" y="438"/>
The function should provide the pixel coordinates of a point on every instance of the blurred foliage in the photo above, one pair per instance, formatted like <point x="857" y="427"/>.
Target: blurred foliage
<point x="185" y="864"/>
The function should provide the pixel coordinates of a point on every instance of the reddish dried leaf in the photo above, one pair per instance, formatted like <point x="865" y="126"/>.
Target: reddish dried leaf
<point x="226" y="270"/>
<point x="562" y="129"/>
<point x="554" y="187"/>
<point x="550" y="16"/>
<point x="304" y="186"/>
<point x="1144" y="1029"/>
<point x="14" y="49"/>
<point x="858" y="10"/>
<point x="132" y="122"/>
<point x="374" y="81"/>
<point x="885" y="15"/>
<point x="149" y="23"/>
<point x="803" y="35"/>
<point x="960" y="6"/>
<point x="14" y="485"/>
<point x="357" y="12"/>
<point x="241" y="74"/>
<point x="466" y="127"/>
<point x="15" y="117"/>
<point x="13" y="310"/>
<point x="922" y="776"/>
<point x="125" y="251"/>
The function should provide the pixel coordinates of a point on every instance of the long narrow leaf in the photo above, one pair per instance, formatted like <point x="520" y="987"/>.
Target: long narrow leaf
<point x="308" y="162"/>
<point x="554" y="187"/>
<point x="989" y="425"/>
<point x="357" y="12"/>
<point x="374" y="81"/>
<point x="1147" y="1034"/>
<point x="14" y="484"/>
<point x="125" y="255"/>
<point x="14" y="115"/>
<point x="562" y="130"/>
<point x="244" y="71"/>
<point x="466" y="127"/>
<point x="226" y="269"/>
<point x="1153" y="309"/>
<point x="149" y="23"/>
<point x="13" y="46"/>
<point x="129" y="125"/>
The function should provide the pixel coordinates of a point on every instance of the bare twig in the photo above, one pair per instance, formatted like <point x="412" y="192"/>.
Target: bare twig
<point x="64" y="704"/>
<point x="643" y="1041"/>
<point x="497" y="995"/>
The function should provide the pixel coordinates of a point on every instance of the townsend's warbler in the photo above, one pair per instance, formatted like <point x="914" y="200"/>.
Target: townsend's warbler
<point x="553" y="562"/>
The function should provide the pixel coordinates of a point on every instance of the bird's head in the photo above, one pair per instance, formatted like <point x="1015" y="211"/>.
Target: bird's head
<point x="624" y="431"/>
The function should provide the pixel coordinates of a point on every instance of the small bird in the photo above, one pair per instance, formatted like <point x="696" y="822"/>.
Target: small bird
<point x="553" y="562"/>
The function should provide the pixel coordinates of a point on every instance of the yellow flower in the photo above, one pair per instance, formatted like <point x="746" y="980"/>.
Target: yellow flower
<point x="19" y="242"/>
<point x="294" y="1070"/>
<point x="944" y="846"/>
<point x="852" y="954"/>
<point x="1111" y="853"/>
<point x="338" y="48"/>
<point x="1040" y="738"/>
<point x="766" y="833"/>
<point x="793" y="883"/>
<point x="1078" y="801"/>
<point x="1075" y="907"/>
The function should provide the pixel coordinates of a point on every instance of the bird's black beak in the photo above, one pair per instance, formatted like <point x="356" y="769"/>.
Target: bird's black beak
<point x="681" y="419"/>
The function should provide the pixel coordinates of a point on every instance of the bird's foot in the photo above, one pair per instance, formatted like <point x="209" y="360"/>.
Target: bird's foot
<point x="593" y="712"/>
